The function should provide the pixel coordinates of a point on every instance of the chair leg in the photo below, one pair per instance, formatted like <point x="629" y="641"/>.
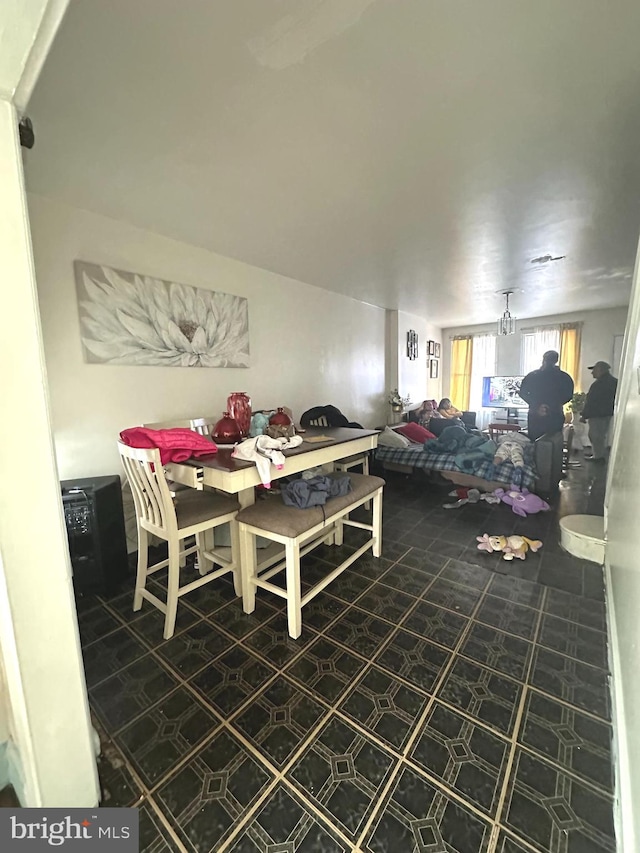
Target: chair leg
<point x="172" y="588"/>
<point x="338" y="536"/>
<point x="365" y="470"/>
<point x="204" y="543"/>
<point x="143" y="562"/>
<point x="377" y="523"/>
<point x="235" y="557"/>
<point x="294" y="606"/>
<point x="248" y="565"/>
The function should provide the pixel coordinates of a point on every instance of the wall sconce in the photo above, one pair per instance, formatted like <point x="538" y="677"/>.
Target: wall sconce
<point x="412" y="344"/>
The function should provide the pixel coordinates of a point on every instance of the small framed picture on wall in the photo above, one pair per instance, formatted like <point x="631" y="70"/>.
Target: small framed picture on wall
<point x="433" y="369"/>
<point x="431" y="347"/>
<point x="437" y="350"/>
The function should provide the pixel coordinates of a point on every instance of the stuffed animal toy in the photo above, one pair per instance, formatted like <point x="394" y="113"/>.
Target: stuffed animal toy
<point x="522" y="502"/>
<point x="512" y="547"/>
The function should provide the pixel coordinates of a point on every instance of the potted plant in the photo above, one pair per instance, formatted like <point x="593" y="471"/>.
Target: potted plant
<point x="397" y="401"/>
<point x="576" y="404"/>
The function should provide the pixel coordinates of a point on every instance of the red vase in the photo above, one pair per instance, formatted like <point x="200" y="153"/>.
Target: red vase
<point x="226" y="431"/>
<point x="239" y="406"/>
<point x="281" y="418"/>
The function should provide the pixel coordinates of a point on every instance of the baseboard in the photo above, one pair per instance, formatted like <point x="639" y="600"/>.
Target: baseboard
<point x="623" y="803"/>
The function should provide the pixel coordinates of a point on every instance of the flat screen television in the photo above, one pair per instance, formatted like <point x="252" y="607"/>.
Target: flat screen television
<point x="502" y="392"/>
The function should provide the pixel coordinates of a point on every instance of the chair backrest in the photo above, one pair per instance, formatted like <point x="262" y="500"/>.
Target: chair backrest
<point x="326" y="416"/>
<point x="185" y="424"/>
<point x="319" y="422"/>
<point x="151" y="495"/>
<point x="496" y="429"/>
<point x="203" y="426"/>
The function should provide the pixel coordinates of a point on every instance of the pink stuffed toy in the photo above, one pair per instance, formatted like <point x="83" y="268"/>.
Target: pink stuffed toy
<point x="522" y="502"/>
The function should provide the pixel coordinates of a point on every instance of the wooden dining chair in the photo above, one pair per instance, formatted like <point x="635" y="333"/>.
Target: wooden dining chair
<point x="183" y="424"/>
<point x="496" y="429"/>
<point x="203" y="426"/>
<point x="174" y="519"/>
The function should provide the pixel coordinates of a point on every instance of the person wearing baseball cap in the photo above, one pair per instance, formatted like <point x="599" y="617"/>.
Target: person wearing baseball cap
<point x="598" y="409"/>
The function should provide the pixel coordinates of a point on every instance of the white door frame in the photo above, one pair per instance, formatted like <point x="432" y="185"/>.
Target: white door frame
<point x="50" y="746"/>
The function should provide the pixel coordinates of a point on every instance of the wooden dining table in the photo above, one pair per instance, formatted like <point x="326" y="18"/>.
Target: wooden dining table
<point x="239" y="477"/>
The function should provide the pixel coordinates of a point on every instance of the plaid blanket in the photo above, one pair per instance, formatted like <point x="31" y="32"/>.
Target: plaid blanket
<point x="504" y="473"/>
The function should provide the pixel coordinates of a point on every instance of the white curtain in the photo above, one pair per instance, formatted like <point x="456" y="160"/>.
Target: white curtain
<point x="535" y="342"/>
<point x="483" y="363"/>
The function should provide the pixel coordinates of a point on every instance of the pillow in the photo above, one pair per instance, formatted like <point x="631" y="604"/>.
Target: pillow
<point x="391" y="438"/>
<point x="415" y="432"/>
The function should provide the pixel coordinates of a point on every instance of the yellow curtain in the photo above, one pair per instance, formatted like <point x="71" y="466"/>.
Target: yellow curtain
<point x="460" y="386"/>
<point x="570" y="343"/>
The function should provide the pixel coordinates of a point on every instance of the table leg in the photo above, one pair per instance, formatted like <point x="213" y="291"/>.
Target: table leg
<point x="248" y="556"/>
<point x="246" y="497"/>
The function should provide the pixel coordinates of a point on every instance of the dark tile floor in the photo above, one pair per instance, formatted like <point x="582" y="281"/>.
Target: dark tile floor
<point x="440" y="700"/>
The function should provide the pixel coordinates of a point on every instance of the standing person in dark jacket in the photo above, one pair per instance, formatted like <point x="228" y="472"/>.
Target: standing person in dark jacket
<point x="598" y="408"/>
<point x="546" y="390"/>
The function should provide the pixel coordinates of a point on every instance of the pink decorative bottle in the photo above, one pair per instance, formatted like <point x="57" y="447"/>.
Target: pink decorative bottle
<point x="239" y="406"/>
<point x="281" y="418"/>
<point x="226" y="431"/>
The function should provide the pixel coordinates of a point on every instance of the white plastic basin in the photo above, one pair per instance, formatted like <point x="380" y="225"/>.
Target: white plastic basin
<point x="583" y="536"/>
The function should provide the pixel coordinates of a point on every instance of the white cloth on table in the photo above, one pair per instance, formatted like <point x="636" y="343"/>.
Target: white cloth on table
<point x="265" y="451"/>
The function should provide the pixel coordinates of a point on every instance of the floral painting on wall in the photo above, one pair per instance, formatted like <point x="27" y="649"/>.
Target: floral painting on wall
<point x="127" y="318"/>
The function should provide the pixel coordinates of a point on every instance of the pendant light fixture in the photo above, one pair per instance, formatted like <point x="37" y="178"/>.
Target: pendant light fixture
<point x="507" y="323"/>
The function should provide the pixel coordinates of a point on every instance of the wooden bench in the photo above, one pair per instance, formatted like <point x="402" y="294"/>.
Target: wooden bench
<point x="301" y="530"/>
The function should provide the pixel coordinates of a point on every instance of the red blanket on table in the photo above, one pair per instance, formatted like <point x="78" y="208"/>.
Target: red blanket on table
<point x="175" y="445"/>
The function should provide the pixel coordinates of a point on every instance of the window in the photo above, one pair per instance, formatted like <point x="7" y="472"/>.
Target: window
<point x="483" y="363"/>
<point x="535" y="342"/>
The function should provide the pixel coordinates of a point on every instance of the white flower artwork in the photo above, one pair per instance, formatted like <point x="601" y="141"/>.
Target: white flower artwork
<point x="127" y="318"/>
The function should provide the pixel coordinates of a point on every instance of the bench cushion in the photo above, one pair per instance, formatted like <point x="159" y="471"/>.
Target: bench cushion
<point x="274" y="516"/>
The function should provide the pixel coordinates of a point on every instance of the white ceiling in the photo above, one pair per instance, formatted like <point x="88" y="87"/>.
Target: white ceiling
<point x="414" y="154"/>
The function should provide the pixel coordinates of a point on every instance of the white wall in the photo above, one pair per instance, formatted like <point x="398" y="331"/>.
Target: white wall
<point x="623" y="578"/>
<point x="411" y="376"/>
<point x="308" y="346"/>
<point x="414" y="374"/>
<point x="598" y="331"/>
